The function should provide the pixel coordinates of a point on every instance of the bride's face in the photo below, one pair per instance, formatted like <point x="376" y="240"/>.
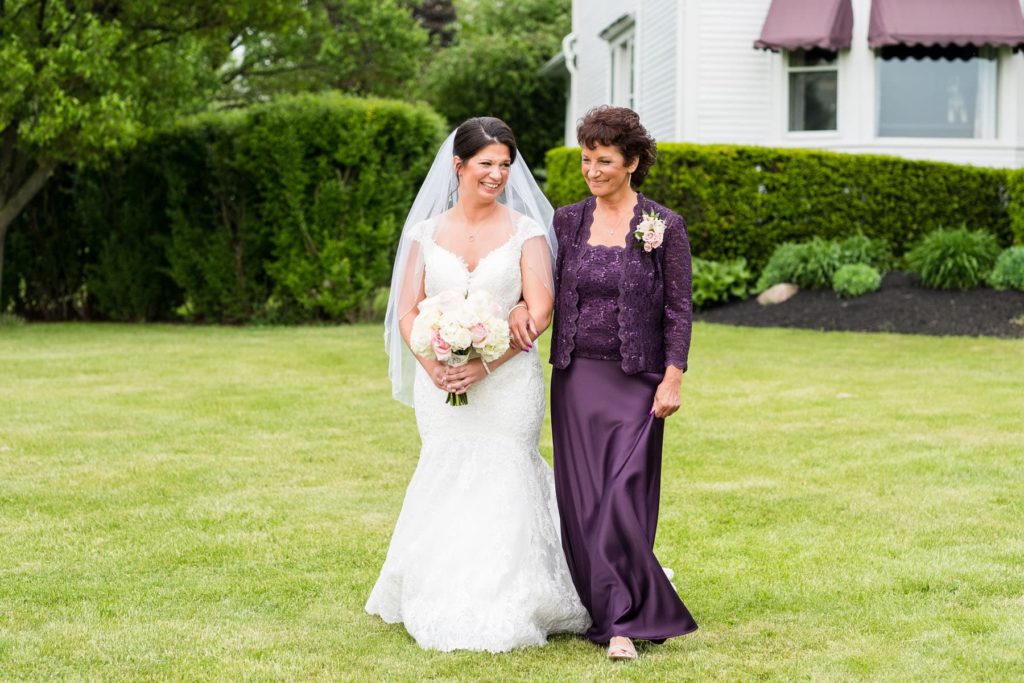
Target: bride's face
<point x="484" y="175"/>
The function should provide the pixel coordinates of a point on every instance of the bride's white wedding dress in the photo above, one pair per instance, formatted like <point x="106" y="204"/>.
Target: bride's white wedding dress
<point x="475" y="560"/>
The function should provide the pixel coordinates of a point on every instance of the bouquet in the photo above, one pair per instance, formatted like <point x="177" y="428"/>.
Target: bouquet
<point x="450" y="327"/>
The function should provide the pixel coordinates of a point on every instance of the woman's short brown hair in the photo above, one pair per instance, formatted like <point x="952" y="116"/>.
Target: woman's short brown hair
<point x="619" y="127"/>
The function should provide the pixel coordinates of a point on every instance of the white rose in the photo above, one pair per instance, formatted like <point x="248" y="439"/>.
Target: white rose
<point x="419" y="339"/>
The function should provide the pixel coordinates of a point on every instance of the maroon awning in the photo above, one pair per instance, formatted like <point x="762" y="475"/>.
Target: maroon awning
<point x="950" y="22"/>
<point x="804" y="24"/>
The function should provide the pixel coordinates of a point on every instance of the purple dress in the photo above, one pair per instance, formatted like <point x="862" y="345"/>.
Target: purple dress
<point x="607" y="461"/>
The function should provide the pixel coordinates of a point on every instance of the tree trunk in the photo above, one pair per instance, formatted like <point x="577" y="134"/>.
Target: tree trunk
<point x="11" y="206"/>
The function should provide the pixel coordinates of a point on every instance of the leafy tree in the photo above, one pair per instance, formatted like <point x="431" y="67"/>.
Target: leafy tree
<point x="80" y="78"/>
<point x="438" y="17"/>
<point x="360" y="47"/>
<point x="493" y="69"/>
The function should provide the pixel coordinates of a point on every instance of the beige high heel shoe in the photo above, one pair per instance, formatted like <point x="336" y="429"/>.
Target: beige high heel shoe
<point x="620" y="649"/>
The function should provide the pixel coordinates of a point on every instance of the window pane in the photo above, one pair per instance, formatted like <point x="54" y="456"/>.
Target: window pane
<point x="812" y="100"/>
<point x="935" y="98"/>
<point x="813" y="57"/>
<point x="622" y="84"/>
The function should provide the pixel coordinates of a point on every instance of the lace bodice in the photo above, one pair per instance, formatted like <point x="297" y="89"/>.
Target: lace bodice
<point x="597" y="328"/>
<point x="497" y="272"/>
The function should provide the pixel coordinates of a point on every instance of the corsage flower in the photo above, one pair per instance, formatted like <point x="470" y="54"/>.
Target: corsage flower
<point x="650" y="233"/>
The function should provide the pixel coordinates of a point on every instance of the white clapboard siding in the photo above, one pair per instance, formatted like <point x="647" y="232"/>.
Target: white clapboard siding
<point x="733" y="80"/>
<point x="593" y="60"/>
<point x="656" y="55"/>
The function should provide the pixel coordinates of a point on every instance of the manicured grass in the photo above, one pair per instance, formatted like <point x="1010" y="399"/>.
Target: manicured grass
<point x="214" y="503"/>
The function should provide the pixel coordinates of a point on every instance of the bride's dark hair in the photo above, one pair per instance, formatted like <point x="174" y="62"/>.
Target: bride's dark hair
<point x="476" y="133"/>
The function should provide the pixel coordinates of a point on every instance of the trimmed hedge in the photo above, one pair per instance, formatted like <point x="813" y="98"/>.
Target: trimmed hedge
<point x="744" y="201"/>
<point x="1015" y="199"/>
<point x="285" y="211"/>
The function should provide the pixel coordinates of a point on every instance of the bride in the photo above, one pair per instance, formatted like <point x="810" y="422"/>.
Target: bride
<point x="475" y="560"/>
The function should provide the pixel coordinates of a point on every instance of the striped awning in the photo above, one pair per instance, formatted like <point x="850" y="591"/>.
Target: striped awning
<point x="949" y="22"/>
<point x="807" y="24"/>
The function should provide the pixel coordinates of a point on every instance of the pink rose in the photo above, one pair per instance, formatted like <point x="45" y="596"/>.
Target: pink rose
<point x="442" y="349"/>
<point x="478" y="333"/>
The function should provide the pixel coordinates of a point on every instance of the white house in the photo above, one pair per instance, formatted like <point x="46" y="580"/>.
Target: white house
<point x="923" y="79"/>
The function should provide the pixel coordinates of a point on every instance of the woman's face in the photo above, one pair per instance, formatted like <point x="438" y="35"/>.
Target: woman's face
<point x="606" y="170"/>
<point x="484" y="175"/>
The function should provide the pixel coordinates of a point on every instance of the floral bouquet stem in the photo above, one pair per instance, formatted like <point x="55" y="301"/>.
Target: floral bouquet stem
<point x="457" y="360"/>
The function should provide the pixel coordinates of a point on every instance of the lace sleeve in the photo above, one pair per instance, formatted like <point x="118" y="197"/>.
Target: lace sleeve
<point x="536" y="261"/>
<point x="678" y="294"/>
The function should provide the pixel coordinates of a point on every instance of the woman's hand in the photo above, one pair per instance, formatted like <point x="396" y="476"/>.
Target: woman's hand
<point x="522" y="328"/>
<point x="438" y="375"/>
<point x="666" y="398"/>
<point x="460" y="379"/>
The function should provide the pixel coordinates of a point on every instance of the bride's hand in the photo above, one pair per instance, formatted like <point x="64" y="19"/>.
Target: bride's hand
<point x="460" y="379"/>
<point x="438" y="375"/>
<point x="522" y="329"/>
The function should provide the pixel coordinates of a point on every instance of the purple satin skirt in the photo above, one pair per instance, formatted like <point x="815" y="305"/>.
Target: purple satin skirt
<point x="607" y="455"/>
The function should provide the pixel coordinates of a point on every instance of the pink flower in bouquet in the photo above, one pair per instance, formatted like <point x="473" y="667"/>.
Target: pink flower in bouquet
<point x="479" y="334"/>
<point x="442" y="349"/>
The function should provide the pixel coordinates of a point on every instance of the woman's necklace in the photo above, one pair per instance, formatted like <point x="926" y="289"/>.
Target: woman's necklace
<point x="615" y="224"/>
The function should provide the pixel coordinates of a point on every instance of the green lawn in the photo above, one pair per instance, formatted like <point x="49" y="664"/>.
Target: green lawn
<point x="214" y="503"/>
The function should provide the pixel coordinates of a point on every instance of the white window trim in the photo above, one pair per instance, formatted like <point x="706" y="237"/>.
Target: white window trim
<point x="787" y="69"/>
<point x="621" y="38"/>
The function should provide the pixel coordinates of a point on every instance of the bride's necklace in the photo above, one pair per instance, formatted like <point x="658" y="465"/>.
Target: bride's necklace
<point x="470" y="234"/>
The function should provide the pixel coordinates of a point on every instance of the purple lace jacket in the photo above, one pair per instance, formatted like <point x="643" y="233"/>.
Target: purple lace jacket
<point x="655" y="288"/>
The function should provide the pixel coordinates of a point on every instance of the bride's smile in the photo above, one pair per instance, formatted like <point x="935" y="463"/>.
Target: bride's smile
<point x="486" y="172"/>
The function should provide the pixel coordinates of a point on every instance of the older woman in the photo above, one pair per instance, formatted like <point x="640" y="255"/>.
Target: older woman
<point x="619" y="348"/>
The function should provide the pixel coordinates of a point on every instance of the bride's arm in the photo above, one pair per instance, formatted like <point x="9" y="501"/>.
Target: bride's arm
<point x="538" y="285"/>
<point x="533" y="314"/>
<point x="408" y="302"/>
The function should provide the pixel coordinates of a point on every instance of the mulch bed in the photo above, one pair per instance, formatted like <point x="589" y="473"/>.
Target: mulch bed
<point x="901" y="305"/>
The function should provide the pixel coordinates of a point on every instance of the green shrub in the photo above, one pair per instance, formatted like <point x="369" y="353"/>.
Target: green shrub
<point x="862" y="249"/>
<point x="283" y="212"/>
<point x="745" y="201"/>
<point x="11" y="320"/>
<point x="301" y="205"/>
<point x="1015" y="204"/>
<point x="781" y="267"/>
<point x="856" y="279"/>
<point x="1008" y="272"/>
<point x="809" y="264"/>
<point x="953" y="259"/>
<point x="49" y="247"/>
<point x="717" y="283"/>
